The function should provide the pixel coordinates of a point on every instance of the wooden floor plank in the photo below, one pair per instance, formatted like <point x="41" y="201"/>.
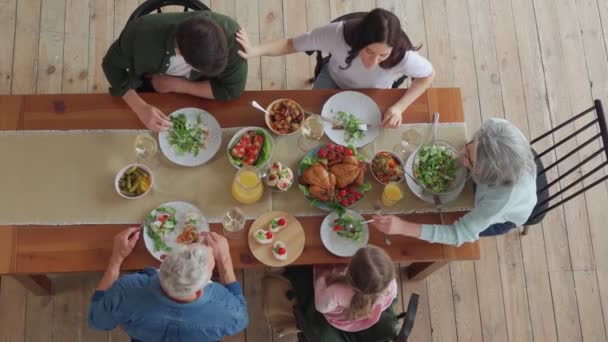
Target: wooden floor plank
<point x="295" y="24"/>
<point x="101" y="37"/>
<point x="590" y="310"/>
<point x="317" y="14"/>
<point x="271" y="28"/>
<point x="466" y="304"/>
<point x="76" y="47"/>
<point x="122" y="11"/>
<point x="12" y="311"/>
<point x="8" y="21"/>
<point x="565" y="306"/>
<point x="441" y="306"/>
<point x="422" y="326"/>
<point x="257" y="330"/>
<point x="50" y="49"/>
<point x="247" y="16"/>
<point x="226" y="7"/>
<point x="27" y="36"/>
<point x="39" y="318"/>
<point x="339" y="8"/>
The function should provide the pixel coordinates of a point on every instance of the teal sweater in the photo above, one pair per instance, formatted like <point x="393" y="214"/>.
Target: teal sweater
<point x="497" y="204"/>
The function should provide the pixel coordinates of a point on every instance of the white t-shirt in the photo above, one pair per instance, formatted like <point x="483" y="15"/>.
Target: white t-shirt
<point x="178" y="67"/>
<point x="330" y="39"/>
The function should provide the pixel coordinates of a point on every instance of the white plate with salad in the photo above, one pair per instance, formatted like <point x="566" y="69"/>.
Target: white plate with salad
<point x="172" y="224"/>
<point x="195" y="138"/>
<point x="338" y="239"/>
<point x="350" y="109"/>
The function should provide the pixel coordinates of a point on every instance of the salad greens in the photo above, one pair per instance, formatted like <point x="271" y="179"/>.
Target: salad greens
<point x="160" y="222"/>
<point x="187" y="138"/>
<point x="351" y="126"/>
<point x="340" y="227"/>
<point x="435" y="167"/>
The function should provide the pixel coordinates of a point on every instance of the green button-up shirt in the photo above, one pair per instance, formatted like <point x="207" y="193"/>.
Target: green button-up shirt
<point x="147" y="43"/>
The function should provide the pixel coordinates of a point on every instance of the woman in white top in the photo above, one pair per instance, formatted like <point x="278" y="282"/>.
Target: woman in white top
<point x="371" y="51"/>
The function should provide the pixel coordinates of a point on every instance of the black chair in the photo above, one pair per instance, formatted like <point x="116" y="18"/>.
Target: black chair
<point x="409" y="317"/>
<point x="597" y="119"/>
<point x="156" y="6"/>
<point x="321" y="61"/>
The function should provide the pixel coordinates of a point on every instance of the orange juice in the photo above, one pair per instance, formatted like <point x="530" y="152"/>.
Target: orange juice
<point x="247" y="187"/>
<point x="391" y="194"/>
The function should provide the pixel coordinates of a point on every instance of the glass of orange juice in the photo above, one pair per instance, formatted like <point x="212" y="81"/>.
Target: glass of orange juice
<point x="391" y="195"/>
<point x="247" y="187"/>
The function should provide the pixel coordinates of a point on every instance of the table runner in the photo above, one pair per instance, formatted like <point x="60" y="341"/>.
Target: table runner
<point x="67" y="177"/>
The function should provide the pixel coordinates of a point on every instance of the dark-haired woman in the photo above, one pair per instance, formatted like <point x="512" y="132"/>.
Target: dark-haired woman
<point x="370" y="51"/>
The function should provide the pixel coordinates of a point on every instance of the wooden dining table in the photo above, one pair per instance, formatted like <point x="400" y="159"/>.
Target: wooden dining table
<point x="29" y="252"/>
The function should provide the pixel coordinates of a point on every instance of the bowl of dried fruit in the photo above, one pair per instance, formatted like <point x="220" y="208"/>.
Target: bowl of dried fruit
<point x="285" y="117"/>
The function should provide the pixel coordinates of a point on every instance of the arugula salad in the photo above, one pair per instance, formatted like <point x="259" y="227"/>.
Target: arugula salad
<point x="340" y="227"/>
<point x="188" y="138"/>
<point x="351" y="126"/>
<point x="161" y="221"/>
<point x="436" y="167"/>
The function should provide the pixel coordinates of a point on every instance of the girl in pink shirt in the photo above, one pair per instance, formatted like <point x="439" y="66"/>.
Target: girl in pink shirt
<point x="352" y="298"/>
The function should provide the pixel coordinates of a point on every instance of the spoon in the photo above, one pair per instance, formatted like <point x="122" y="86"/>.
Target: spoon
<point x="350" y="227"/>
<point x="256" y="105"/>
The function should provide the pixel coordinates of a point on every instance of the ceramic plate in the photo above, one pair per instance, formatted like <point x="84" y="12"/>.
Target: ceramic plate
<point x="211" y="144"/>
<point x="358" y="104"/>
<point x="337" y="244"/>
<point x="181" y="212"/>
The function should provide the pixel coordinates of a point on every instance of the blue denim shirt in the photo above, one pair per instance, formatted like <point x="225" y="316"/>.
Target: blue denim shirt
<point x="137" y="303"/>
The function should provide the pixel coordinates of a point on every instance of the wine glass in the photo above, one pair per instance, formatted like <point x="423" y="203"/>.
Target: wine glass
<point x="410" y="140"/>
<point x="312" y="132"/>
<point x="233" y="223"/>
<point x="146" y="148"/>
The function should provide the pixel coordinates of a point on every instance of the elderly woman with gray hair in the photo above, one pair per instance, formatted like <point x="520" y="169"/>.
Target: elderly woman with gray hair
<point x="177" y="303"/>
<point x="502" y="166"/>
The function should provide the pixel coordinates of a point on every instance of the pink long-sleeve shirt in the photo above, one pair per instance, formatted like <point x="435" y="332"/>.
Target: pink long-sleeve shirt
<point x="333" y="300"/>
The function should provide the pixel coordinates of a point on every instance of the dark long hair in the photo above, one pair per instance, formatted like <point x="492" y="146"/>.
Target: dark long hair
<point x="369" y="273"/>
<point x="377" y="26"/>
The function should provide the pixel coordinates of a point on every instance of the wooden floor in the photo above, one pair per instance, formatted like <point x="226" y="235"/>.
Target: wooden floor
<point x="534" y="62"/>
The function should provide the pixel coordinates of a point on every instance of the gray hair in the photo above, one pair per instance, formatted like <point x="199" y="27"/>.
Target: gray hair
<point x="503" y="154"/>
<point x="185" y="270"/>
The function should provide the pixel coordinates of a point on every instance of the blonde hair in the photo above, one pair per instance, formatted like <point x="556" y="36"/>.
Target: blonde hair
<point x="369" y="273"/>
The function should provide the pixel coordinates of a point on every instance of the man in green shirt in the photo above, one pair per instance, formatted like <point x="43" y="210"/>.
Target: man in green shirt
<point x="192" y="53"/>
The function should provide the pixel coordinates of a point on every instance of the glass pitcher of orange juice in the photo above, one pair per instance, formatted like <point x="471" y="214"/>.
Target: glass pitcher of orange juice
<point x="247" y="187"/>
<point x="391" y="195"/>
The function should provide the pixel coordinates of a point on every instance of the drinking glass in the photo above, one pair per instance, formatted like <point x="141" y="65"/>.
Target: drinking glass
<point x="233" y="223"/>
<point x="410" y="140"/>
<point x="312" y="132"/>
<point x="391" y="194"/>
<point x="146" y="148"/>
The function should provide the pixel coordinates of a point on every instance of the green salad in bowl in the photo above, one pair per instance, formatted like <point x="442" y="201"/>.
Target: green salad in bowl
<point x="436" y="167"/>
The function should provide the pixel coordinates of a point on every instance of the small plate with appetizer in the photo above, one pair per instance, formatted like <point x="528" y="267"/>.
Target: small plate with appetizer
<point x="172" y="224"/>
<point x="349" y="110"/>
<point x="194" y="139"/>
<point x="250" y="146"/>
<point x="276" y="238"/>
<point x="338" y="238"/>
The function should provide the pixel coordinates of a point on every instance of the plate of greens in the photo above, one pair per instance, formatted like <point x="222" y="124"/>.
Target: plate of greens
<point x="340" y="240"/>
<point x="195" y="138"/>
<point x="349" y="109"/>
<point x="172" y="224"/>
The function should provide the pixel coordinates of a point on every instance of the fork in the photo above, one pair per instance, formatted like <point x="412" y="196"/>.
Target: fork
<point x="378" y="211"/>
<point x="351" y="227"/>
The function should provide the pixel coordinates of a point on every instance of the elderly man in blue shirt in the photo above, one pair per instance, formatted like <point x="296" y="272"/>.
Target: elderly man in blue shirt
<point x="177" y="303"/>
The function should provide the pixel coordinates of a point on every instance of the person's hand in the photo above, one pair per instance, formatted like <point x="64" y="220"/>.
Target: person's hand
<point x="124" y="243"/>
<point x="153" y="118"/>
<point x="388" y="224"/>
<point x="164" y="83"/>
<point x="392" y="117"/>
<point x="247" y="50"/>
<point x="219" y="246"/>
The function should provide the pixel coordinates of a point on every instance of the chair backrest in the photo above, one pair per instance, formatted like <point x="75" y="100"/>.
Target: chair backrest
<point x="409" y="317"/>
<point x="156" y="6"/>
<point x="591" y="117"/>
<point x="321" y="61"/>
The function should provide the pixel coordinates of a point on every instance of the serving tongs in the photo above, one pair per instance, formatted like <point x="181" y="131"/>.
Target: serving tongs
<point x="436" y="198"/>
